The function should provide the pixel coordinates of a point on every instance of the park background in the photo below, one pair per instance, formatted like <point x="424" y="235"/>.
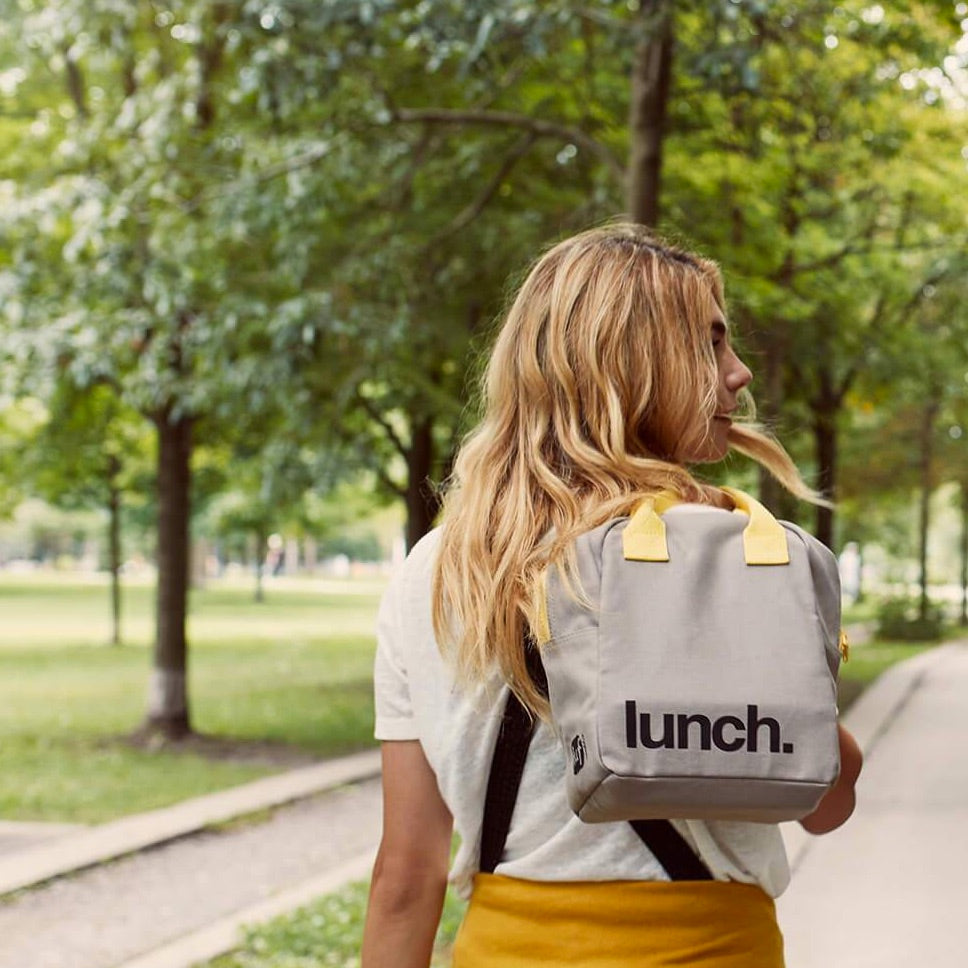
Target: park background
<point x="251" y="257"/>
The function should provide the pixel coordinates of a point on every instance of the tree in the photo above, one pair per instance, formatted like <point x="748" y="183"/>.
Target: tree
<point x="912" y="439"/>
<point x="302" y="216"/>
<point x="821" y="214"/>
<point x="18" y="424"/>
<point x="818" y="177"/>
<point x="88" y="454"/>
<point x="441" y="203"/>
<point x="129" y="269"/>
<point x="648" y="108"/>
<point x="263" y="489"/>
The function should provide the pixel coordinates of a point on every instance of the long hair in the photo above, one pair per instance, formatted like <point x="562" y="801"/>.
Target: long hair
<point x="601" y="371"/>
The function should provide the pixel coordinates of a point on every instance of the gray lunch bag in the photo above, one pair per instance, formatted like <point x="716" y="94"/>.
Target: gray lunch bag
<point x="701" y="682"/>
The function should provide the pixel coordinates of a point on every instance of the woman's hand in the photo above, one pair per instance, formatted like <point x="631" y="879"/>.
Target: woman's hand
<point x="839" y="801"/>
<point x="410" y="874"/>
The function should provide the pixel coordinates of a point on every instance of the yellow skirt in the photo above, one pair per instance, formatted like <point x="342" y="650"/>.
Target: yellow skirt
<point x="513" y="923"/>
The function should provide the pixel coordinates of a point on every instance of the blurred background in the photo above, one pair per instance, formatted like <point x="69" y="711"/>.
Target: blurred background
<point x="251" y="255"/>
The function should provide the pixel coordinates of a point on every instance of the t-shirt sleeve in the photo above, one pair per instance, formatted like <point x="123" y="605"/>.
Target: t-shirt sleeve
<point x="391" y="689"/>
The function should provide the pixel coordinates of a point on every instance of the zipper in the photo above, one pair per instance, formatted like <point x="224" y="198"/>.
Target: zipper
<point x="844" y="646"/>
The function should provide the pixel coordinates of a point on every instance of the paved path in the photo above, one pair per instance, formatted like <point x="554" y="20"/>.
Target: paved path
<point x="890" y="888"/>
<point x="105" y="915"/>
<point x="65" y="852"/>
<point x="16" y="835"/>
<point x="885" y="891"/>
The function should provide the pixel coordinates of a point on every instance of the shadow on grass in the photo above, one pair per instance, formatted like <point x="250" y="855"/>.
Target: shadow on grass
<point x="222" y="749"/>
<point x="249" y="750"/>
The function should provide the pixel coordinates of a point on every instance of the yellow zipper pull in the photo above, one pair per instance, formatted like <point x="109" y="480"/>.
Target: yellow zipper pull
<point x="844" y="646"/>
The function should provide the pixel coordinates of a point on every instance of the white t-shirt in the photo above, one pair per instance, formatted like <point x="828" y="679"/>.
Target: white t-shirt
<point x="416" y="698"/>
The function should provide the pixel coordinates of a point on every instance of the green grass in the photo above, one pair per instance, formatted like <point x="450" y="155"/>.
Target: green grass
<point x="294" y="670"/>
<point x="868" y="660"/>
<point x="327" y="933"/>
<point x="865" y="611"/>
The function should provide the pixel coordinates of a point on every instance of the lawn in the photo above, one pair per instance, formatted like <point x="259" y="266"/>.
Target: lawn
<point x="329" y="931"/>
<point x="293" y="672"/>
<point x="868" y="661"/>
<point x="272" y="681"/>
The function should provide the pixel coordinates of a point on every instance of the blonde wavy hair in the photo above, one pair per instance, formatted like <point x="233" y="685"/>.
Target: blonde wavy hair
<point x="602" y="369"/>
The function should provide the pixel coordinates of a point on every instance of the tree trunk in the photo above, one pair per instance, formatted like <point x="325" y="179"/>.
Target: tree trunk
<point x="199" y="563"/>
<point x="772" y="493"/>
<point x="964" y="552"/>
<point x="926" y="447"/>
<point x="311" y="554"/>
<point x="291" y="556"/>
<point x="825" y="433"/>
<point x="771" y="490"/>
<point x="825" y="407"/>
<point x="422" y="499"/>
<point x="261" y="545"/>
<point x="114" y="546"/>
<point x="168" y="694"/>
<point x="650" y="83"/>
<point x="75" y="83"/>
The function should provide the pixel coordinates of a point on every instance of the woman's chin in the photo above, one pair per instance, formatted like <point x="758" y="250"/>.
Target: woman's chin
<point x="711" y="450"/>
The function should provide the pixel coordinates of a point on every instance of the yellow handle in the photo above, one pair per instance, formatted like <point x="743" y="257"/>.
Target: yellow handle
<point x="644" y="538"/>
<point x="764" y="538"/>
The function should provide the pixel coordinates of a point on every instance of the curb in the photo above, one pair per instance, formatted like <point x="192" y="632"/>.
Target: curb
<point x="223" y="935"/>
<point x="95" y="845"/>
<point x="869" y="718"/>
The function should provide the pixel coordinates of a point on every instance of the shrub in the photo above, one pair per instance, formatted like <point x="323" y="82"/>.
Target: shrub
<point x="900" y="619"/>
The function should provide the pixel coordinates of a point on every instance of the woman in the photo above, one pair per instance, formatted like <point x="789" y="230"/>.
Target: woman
<point x="612" y="373"/>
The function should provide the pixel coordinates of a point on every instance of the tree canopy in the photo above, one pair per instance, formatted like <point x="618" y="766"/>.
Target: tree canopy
<point x="279" y="234"/>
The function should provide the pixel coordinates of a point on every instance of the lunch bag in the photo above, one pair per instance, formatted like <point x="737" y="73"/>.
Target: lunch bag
<point x="693" y="673"/>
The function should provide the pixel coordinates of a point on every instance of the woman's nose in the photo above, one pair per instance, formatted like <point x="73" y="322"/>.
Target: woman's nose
<point x="738" y="375"/>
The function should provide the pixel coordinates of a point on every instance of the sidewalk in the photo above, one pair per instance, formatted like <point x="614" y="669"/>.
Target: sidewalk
<point x="888" y="889"/>
<point x="172" y="887"/>
<point x="82" y="847"/>
<point x="884" y="891"/>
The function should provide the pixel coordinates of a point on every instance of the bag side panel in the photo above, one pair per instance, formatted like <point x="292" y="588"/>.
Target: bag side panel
<point x="826" y="583"/>
<point x="571" y="661"/>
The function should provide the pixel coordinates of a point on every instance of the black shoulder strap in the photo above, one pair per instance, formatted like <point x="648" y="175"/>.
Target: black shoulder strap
<point x="671" y="851"/>
<point x="507" y="766"/>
